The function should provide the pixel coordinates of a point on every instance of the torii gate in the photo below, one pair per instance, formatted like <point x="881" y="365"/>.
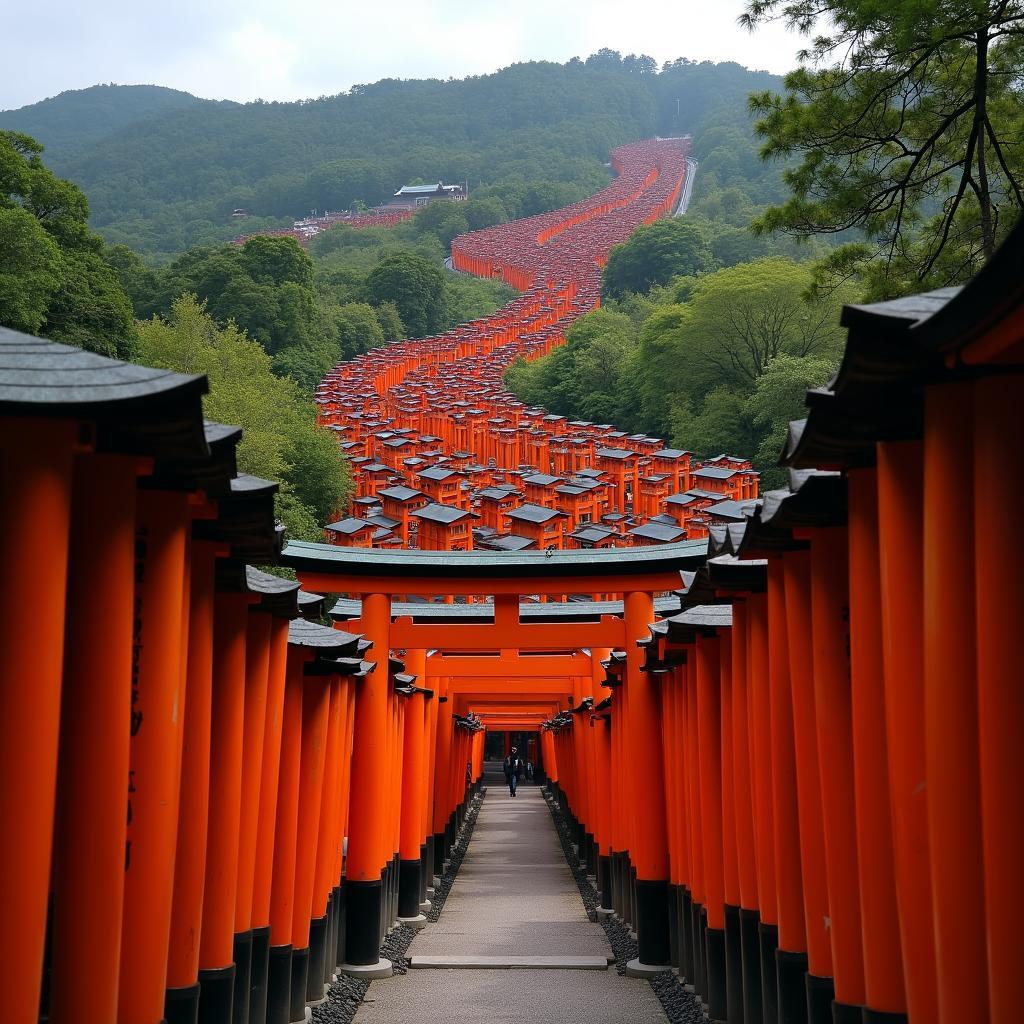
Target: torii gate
<point x="510" y="654"/>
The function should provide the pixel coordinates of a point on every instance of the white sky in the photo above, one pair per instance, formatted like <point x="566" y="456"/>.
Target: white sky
<point x="292" y="49"/>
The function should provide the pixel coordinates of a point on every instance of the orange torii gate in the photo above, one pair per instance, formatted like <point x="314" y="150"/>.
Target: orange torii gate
<point x="507" y="630"/>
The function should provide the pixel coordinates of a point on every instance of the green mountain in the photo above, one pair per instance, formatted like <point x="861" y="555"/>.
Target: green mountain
<point x="73" y="121"/>
<point x="163" y="170"/>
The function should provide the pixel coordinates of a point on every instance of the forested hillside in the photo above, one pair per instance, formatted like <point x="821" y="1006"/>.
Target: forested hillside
<point x="163" y="180"/>
<point x="71" y="123"/>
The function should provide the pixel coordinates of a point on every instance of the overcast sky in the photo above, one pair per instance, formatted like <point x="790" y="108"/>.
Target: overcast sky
<point x="291" y="49"/>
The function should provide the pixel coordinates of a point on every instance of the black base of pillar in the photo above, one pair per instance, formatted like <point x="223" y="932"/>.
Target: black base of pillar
<point x="607" y="883"/>
<point x="769" y="939"/>
<point x="317" y="959"/>
<point x="279" y="984"/>
<point x="181" y="1005"/>
<point x="870" y="1016"/>
<point x="700" y="963"/>
<point x="750" y="949"/>
<point x="673" y="924"/>
<point x="300" y="974"/>
<point x="820" y="993"/>
<point x="340" y="918"/>
<point x="395" y="868"/>
<point x="847" y="1013"/>
<point x="633" y="912"/>
<point x="437" y="848"/>
<point x="216" y="995"/>
<point x="243" y="975"/>
<point x="424" y="873"/>
<point x="714" y="943"/>
<point x="790" y="972"/>
<point x="331" y="950"/>
<point x="687" y="966"/>
<point x="386" y="915"/>
<point x="258" y="976"/>
<point x="733" y="965"/>
<point x="618" y="888"/>
<point x="364" y="905"/>
<point x="408" y="888"/>
<point x="652" y="922"/>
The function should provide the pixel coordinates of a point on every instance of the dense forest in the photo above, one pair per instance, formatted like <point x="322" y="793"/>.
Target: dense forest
<point x="165" y="170"/>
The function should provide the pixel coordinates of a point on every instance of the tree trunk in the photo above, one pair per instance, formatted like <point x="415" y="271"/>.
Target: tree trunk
<point x="988" y="242"/>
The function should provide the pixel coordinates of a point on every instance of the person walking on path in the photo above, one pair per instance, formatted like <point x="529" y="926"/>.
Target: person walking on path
<point x="513" y="767"/>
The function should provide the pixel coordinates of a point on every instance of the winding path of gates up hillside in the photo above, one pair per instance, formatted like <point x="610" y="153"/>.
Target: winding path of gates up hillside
<point x="438" y="405"/>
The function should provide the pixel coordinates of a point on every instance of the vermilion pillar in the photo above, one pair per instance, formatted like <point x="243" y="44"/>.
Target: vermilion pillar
<point x="709" y="730"/>
<point x="92" y="803"/>
<point x="282" y="893"/>
<point x="797" y="582"/>
<point x="951" y="710"/>
<point x="791" y="956"/>
<point x="265" y="826"/>
<point x="445" y="727"/>
<point x="323" y="938"/>
<point x="900" y="511"/>
<point x="601" y="760"/>
<point x="368" y="806"/>
<point x="832" y="707"/>
<point x="216" y="950"/>
<point x="157" y="702"/>
<point x="759" y="732"/>
<point x="650" y="855"/>
<point x="411" y="810"/>
<point x="182" y="997"/>
<point x="34" y="524"/>
<point x="742" y="801"/>
<point x="416" y="665"/>
<point x="998" y="444"/>
<point x="698" y="911"/>
<point x="670" y="751"/>
<point x="682" y="823"/>
<point x="315" y="708"/>
<point x="883" y="961"/>
<point x="730" y="862"/>
<point x="257" y="664"/>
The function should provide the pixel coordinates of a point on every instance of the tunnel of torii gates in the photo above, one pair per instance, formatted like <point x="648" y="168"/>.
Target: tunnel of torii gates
<point x="792" y="753"/>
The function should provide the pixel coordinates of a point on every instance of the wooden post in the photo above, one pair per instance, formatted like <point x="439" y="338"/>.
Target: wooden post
<point x="92" y="802"/>
<point x="650" y="857"/>
<point x="368" y="802"/>
<point x="157" y="706"/>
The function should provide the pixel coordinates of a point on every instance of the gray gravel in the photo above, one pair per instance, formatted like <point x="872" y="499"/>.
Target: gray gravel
<point x="680" y="1006"/>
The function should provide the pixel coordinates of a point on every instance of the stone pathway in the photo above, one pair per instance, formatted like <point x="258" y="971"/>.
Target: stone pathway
<point x="514" y="901"/>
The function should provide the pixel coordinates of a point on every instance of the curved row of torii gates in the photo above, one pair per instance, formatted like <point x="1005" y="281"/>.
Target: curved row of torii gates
<point x="793" y="752"/>
<point x="443" y="455"/>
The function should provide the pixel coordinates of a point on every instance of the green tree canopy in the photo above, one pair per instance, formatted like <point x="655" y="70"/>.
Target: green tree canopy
<point x="718" y="362"/>
<point x="581" y="378"/>
<point x="653" y="255"/>
<point x="734" y="324"/>
<point x="54" y="279"/>
<point x="416" y="288"/>
<point x="281" y="439"/>
<point x="907" y="121"/>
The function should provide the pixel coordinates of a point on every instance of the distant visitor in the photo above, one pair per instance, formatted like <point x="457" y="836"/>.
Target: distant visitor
<point x="514" y="767"/>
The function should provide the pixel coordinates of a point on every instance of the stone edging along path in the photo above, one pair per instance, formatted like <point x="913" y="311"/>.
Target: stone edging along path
<point x="346" y="994"/>
<point x="680" y="1006"/>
